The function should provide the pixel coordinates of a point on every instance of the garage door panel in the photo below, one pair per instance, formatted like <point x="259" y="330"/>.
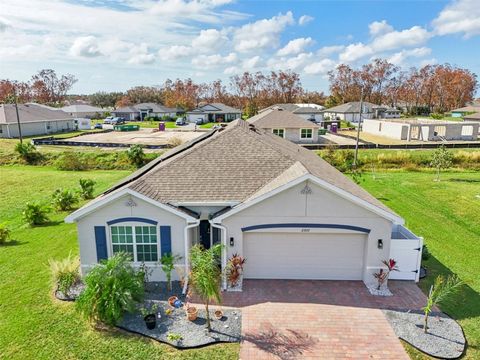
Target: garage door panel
<point x="304" y="256"/>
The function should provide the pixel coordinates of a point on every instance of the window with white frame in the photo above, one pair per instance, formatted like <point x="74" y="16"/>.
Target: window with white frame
<point x="306" y="133"/>
<point x="279" y="132"/>
<point x="141" y="242"/>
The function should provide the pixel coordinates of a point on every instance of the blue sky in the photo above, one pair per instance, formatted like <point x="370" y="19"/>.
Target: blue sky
<point x="114" y="45"/>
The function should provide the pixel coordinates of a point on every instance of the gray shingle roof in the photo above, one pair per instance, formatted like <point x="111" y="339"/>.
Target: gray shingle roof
<point x="233" y="164"/>
<point x="222" y="109"/>
<point x="277" y="118"/>
<point x="82" y="108"/>
<point x="475" y="116"/>
<point x="153" y="107"/>
<point x="351" y="107"/>
<point x="307" y="110"/>
<point x="30" y="113"/>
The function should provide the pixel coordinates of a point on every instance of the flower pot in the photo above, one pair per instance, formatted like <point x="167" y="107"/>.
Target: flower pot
<point x="192" y="313"/>
<point x="218" y="314"/>
<point x="171" y="300"/>
<point x="150" y="321"/>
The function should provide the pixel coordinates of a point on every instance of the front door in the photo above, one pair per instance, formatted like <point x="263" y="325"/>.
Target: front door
<point x="205" y="233"/>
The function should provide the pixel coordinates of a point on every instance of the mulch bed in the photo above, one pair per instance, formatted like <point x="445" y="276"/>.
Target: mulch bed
<point x="444" y="340"/>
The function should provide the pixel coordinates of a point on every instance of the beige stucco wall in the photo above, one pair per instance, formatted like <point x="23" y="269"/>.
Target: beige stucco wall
<point x="321" y="206"/>
<point x="392" y="130"/>
<point x="37" y="128"/>
<point x="119" y="209"/>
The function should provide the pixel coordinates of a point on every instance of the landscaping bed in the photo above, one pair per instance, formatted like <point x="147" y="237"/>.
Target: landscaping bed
<point x="193" y="333"/>
<point x="445" y="338"/>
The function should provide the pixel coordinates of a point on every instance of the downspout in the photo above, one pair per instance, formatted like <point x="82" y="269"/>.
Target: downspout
<point x="187" y="250"/>
<point x="224" y="250"/>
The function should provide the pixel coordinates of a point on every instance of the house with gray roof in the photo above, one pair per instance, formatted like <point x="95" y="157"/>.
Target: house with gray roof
<point x="287" y="125"/>
<point x="282" y="207"/>
<point x="214" y="112"/>
<point x="351" y="112"/>
<point x="34" y="119"/>
<point x="312" y="112"/>
<point x="143" y="110"/>
<point x="83" y="111"/>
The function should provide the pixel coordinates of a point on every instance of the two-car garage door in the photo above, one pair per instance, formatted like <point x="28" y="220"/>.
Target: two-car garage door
<point x="316" y="256"/>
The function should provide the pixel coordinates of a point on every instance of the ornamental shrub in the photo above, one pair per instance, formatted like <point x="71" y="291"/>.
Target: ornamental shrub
<point x="112" y="288"/>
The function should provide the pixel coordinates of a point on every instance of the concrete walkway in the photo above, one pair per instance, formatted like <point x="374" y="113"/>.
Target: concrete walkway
<point x="295" y="319"/>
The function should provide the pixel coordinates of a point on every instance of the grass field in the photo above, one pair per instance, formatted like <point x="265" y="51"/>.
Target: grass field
<point x="447" y="215"/>
<point x="32" y="324"/>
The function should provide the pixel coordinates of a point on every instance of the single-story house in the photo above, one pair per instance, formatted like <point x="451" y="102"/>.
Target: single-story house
<point x="312" y="112"/>
<point x="422" y="129"/>
<point x="473" y="118"/>
<point x="286" y="125"/>
<point x="143" y="110"/>
<point x="83" y="111"/>
<point x="34" y="120"/>
<point x="287" y="211"/>
<point x="215" y="112"/>
<point x="351" y="112"/>
<point x="467" y="110"/>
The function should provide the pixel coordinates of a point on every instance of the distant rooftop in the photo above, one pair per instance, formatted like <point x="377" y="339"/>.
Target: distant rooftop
<point x="30" y="113"/>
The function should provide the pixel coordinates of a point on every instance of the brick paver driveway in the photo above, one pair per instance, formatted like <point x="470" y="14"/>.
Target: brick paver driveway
<point x="295" y="319"/>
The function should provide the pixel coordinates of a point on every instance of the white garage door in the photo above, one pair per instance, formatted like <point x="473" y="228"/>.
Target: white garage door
<point x="303" y="256"/>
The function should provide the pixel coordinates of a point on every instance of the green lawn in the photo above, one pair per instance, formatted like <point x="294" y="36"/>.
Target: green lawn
<point x="32" y="324"/>
<point x="210" y="125"/>
<point x="447" y="215"/>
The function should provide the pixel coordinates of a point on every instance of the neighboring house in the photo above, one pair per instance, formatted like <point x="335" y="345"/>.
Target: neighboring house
<point x="351" y="112"/>
<point x="422" y="129"/>
<point x="287" y="211"/>
<point x="83" y="111"/>
<point x="286" y="125"/>
<point x="143" y="110"/>
<point x="215" y="112"/>
<point x="312" y="112"/>
<point x="475" y="117"/>
<point x="467" y="110"/>
<point x="34" y="120"/>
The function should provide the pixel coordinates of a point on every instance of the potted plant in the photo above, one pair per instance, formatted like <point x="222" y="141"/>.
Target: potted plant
<point x="149" y="313"/>
<point x="218" y="314"/>
<point x="205" y="275"/>
<point x="234" y="272"/>
<point x="192" y="313"/>
<point x="171" y="300"/>
<point x="168" y="264"/>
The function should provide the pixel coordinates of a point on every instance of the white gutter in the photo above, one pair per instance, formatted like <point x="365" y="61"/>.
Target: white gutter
<point x="224" y="250"/>
<point x="187" y="251"/>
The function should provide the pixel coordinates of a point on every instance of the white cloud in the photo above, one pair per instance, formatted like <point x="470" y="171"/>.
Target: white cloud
<point x="252" y="63"/>
<point x="354" y="52"/>
<point x="262" y="34"/>
<point x="295" y="46"/>
<point x="329" y="50"/>
<point x="175" y="52"/>
<point x="305" y="19"/>
<point x="320" y="67"/>
<point x="142" y="59"/>
<point x="85" y="46"/>
<point x="399" y="58"/>
<point x="209" y="39"/>
<point x="414" y="36"/>
<point x="462" y="16"/>
<point x="293" y="63"/>
<point x="379" y="28"/>
<point x="213" y="61"/>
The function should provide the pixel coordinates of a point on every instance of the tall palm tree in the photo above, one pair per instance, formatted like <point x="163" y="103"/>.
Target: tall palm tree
<point x="205" y="274"/>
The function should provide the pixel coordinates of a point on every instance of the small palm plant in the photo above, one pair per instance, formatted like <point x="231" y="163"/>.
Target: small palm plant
<point x="441" y="290"/>
<point x="168" y="265"/>
<point x="205" y="274"/>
